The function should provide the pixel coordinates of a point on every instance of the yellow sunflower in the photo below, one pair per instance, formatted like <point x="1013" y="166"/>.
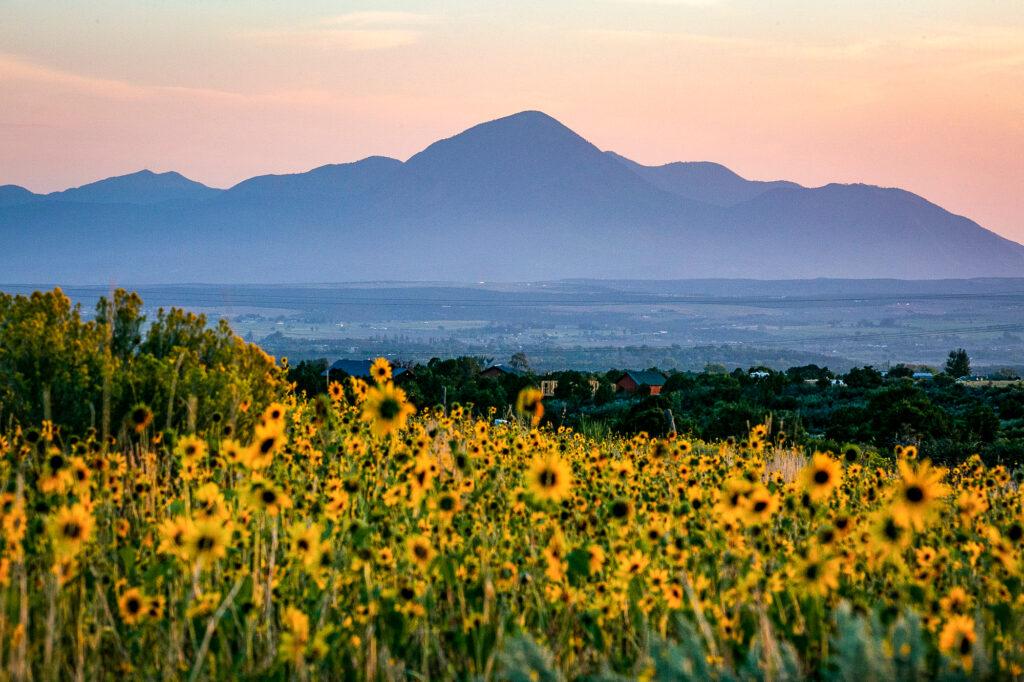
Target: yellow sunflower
<point x="549" y="478"/>
<point x="957" y="640"/>
<point x="386" y="409"/>
<point x="918" y="493"/>
<point x="530" y="404"/>
<point x="380" y="370"/>
<point x="70" y="528"/>
<point x="821" y="476"/>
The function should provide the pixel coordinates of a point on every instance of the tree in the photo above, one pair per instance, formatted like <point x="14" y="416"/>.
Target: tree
<point x="863" y="377"/>
<point x="520" y="361"/>
<point x="958" y="364"/>
<point x="900" y="371"/>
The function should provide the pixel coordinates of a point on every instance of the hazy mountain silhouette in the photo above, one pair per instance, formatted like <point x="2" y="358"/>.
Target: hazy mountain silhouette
<point x="702" y="181"/>
<point x="143" y="187"/>
<point x="11" y="195"/>
<point x="519" y="198"/>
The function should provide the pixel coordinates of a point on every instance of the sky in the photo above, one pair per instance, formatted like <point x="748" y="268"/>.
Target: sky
<point x="927" y="95"/>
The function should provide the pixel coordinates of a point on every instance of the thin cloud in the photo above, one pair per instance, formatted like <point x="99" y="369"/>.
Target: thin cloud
<point x="17" y="69"/>
<point x="354" y="31"/>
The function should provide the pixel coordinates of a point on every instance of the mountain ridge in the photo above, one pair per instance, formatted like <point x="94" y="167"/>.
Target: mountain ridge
<point x="521" y="198"/>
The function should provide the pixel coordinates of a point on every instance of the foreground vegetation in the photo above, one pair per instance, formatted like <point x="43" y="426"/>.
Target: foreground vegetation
<point x="242" y="534"/>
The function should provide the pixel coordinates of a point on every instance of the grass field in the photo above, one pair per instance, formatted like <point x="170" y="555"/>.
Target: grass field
<point x="349" y="537"/>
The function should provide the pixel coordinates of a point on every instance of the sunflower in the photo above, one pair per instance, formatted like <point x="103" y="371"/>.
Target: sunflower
<point x="132" y="605"/>
<point x="821" y="476"/>
<point x="294" y="636"/>
<point x="386" y="409"/>
<point x="207" y="541"/>
<point x="336" y="391"/>
<point x="957" y="639"/>
<point x="760" y="505"/>
<point x="273" y="416"/>
<point x="190" y="449"/>
<point x="380" y="370"/>
<point x="268" y="440"/>
<point x="304" y="544"/>
<point x="549" y="478"/>
<point x="970" y="504"/>
<point x="955" y="602"/>
<point x="56" y="476"/>
<point x="447" y="505"/>
<point x="817" y="574"/>
<point x="70" y="528"/>
<point x="264" y="495"/>
<point x="631" y="564"/>
<point x="140" y="417"/>
<point x="209" y="504"/>
<point x="233" y="452"/>
<point x="174" y="533"/>
<point x="888" y="535"/>
<point x="918" y="493"/>
<point x="529" y="404"/>
<point x="419" y="550"/>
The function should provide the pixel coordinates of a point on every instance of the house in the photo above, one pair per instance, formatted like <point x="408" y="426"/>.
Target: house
<point x="759" y="374"/>
<point x="361" y="369"/>
<point x="642" y="382"/>
<point x="502" y="370"/>
<point x="922" y="375"/>
<point x="547" y="387"/>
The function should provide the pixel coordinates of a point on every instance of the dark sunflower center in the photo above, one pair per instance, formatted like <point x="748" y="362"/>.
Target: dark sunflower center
<point x="268" y="497"/>
<point x="133" y="605"/>
<point x="965" y="645"/>
<point x="915" y="493"/>
<point x="56" y="462"/>
<point x="205" y="543"/>
<point x="892" y="531"/>
<point x="821" y="477"/>
<point x="389" y="409"/>
<point x="72" y="530"/>
<point x="266" y="445"/>
<point x="760" y="506"/>
<point x="620" y="509"/>
<point x="548" y="478"/>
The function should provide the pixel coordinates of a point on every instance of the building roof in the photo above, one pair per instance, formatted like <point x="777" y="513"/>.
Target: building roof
<point x="645" y="377"/>
<point x="358" y="368"/>
<point x="507" y="369"/>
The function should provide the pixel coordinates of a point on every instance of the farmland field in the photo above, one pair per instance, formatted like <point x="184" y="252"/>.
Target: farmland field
<point x="195" y="518"/>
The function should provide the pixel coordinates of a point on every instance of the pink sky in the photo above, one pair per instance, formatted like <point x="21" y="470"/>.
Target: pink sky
<point x="928" y="96"/>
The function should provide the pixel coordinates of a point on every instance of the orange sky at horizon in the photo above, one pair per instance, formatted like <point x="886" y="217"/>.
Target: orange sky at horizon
<point x="926" y="95"/>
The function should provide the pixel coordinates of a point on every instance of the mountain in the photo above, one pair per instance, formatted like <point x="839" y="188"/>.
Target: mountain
<point x="334" y="182"/>
<point x="519" y="198"/>
<point x="11" y="195"/>
<point x="143" y="187"/>
<point x="702" y="181"/>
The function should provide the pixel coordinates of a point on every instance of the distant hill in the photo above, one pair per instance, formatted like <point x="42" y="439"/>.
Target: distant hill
<point x="143" y="187"/>
<point x="702" y="181"/>
<point x="519" y="198"/>
<point x="11" y="195"/>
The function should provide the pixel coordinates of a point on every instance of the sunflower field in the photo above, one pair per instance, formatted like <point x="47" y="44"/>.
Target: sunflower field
<point x="353" y="537"/>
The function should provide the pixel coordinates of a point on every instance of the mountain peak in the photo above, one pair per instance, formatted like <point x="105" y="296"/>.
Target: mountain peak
<point x="508" y="135"/>
<point x="141" y="187"/>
